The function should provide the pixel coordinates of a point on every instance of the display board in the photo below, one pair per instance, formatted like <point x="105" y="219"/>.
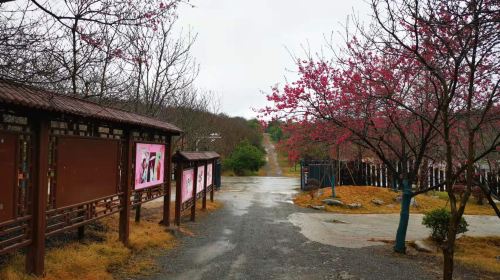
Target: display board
<point x="187" y="184"/>
<point x="7" y="175"/>
<point x="200" y="179"/>
<point x="87" y="169"/>
<point x="210" y="170"/>
<point x="149" y="165"/>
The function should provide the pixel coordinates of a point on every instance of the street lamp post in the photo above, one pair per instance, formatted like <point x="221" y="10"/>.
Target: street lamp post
<point x="213" y="136"/>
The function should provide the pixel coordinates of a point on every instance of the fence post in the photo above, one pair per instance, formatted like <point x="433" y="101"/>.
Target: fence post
<point x="36" y="251"/>
<point x="377" y="172"/>
<point x="384" y="176"/>
<point x="441" y="179"/>
<point x="374" y="176"/>
<point x="302" y="174"/>
<point x="333" y="186"/>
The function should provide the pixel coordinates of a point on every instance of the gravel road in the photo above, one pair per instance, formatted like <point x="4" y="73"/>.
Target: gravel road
<point x="251" y="237"/>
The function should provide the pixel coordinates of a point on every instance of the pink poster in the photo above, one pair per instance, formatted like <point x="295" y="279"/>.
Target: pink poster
<point x="209" y="174"/>
<point x="201" y="179"/>
<point x="187" y="184"/>
<point x="149" y="165"/>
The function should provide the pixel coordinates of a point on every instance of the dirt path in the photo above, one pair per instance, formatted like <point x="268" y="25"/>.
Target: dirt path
<point x="272" y="167"/>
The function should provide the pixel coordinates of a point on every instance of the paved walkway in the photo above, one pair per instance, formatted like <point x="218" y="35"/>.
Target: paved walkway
<point x="362" y="230"/>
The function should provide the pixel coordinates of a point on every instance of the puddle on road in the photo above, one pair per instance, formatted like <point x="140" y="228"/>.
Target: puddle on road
<point x="236" y="266"/>
<point x="211" y="251"/>
<point x="193" y="274"/>
<point x="240" y="193"/>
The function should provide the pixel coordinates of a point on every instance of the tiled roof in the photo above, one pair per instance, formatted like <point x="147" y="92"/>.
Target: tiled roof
<point x="196" y="156"/>
<point x="27" y="96"/>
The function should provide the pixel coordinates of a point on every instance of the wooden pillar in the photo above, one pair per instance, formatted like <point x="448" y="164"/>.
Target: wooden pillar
<point x="168" y="182"/>
<point x="81" y="233"/>
<point x="124" y="228"/>
<point x="178" y="192"/>
<point x="213" y="185"/>
<point x="204" y="199"/>
<point x="81" y="229"/>
<point x="36" y="251"/>
<point x="137" y="198"/>
<point x="195" y="187"/>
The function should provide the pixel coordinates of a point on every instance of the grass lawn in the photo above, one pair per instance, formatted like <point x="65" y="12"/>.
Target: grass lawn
<point x="101" y="256"/>
<point x="365" y="194"/>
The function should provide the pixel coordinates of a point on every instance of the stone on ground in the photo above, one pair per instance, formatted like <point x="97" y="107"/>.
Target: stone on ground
<point x="318" y="207"/>
<point x="377" y="201"/>
<point x="354" y="205"/>
<point x="333" y="202"/>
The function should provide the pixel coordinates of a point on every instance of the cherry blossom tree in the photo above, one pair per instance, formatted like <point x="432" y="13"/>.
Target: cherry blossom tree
<point x="420" y="85"/>
<point x="457" y="43"/>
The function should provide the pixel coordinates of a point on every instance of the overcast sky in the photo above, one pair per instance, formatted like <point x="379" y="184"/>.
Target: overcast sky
<point x="242" y="45"/>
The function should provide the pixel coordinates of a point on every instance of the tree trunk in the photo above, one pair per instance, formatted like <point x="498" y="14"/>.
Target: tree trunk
<point x="400" y="246"/>
<point x="449" y="248"/>
<point x="448" y="262"/>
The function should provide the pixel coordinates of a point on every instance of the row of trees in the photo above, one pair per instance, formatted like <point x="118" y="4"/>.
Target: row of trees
<point x="419" y="85"/>
<point x="125" y="54"/>
<point x="103" y="50"/>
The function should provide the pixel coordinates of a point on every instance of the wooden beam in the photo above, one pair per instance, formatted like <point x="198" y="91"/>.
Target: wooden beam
<point x="213" y="180"/>
<point x="205" y="185"/>
<point x="195" y="186"/>
<point x="124" y="228"/>
<point x="36" y="251"/>
<point x="178" y="193"/>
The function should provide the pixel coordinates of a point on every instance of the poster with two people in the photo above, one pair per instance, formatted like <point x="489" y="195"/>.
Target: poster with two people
<point x="149" y="165"/>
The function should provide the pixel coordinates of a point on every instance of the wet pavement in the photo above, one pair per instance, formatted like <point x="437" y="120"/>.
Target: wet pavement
<point x="362" y="230"/>
<point x="253" y="237"/>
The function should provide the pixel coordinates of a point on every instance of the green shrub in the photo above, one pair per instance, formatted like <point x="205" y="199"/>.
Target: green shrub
<point x="438" y="221"/>
<point x="245" y="159"/>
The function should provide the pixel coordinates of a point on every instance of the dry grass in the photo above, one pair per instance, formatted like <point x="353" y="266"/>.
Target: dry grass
<point x="100" y="260"/>
<point x="479" y="252"/>
<point x="365" y="194"/>
<point x="104" y="257"/>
